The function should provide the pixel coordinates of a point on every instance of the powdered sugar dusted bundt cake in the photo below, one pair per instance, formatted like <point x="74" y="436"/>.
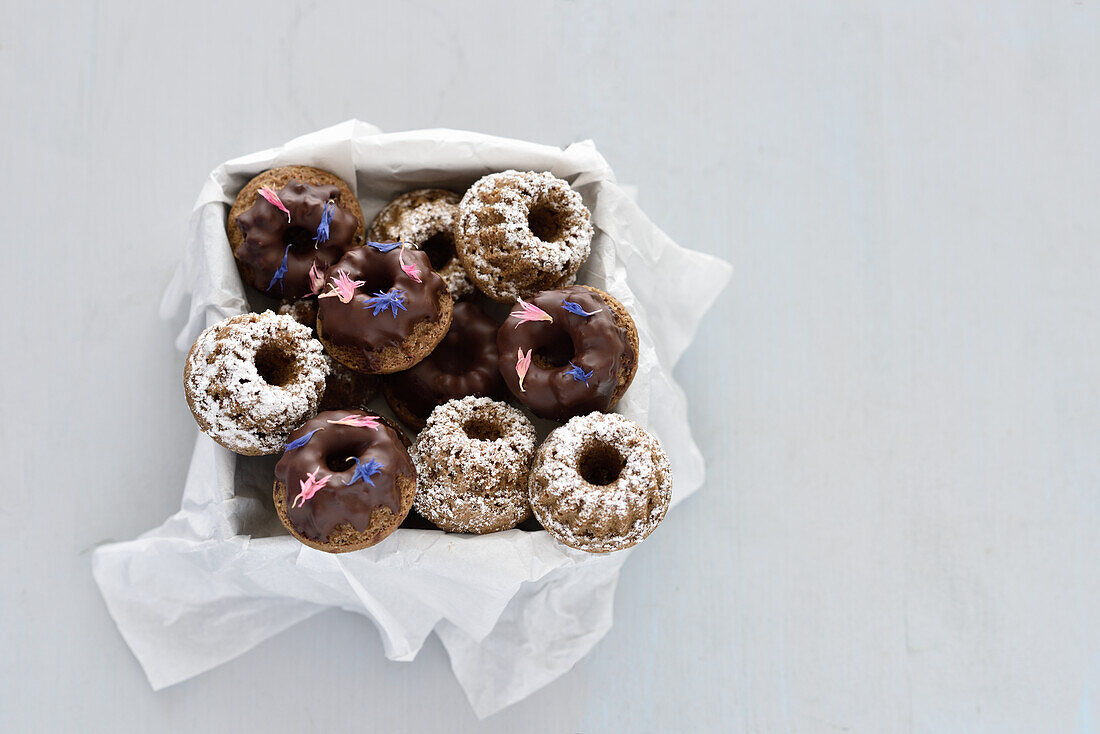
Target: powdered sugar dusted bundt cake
<point x="472" y="462"/>
<point x="521" y="232"/>
<point x="600" y="483"/>
<point x="425" y="219"/>
<point x="252" y="379"/>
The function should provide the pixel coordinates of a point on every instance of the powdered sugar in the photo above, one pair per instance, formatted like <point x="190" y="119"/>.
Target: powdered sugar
<point x="600" y="518"/>
<point x="231" y="400"/>
<point x="303" y="310"/>
<point x="416" y="217"/>
<point x="467" y="484"/>
<point x="494" y="236"/>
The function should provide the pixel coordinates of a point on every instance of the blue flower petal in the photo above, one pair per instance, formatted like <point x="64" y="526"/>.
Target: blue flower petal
<point x="576" y="308"/>
<point x="300" y="442"/>
<point x="393" y="299"/>
<point x="280" y="273"/>
<point x="364" y="472"/>
<point x="326" y="221"/>
<point x="579" y="374"/>
<point x="384" y="246"/>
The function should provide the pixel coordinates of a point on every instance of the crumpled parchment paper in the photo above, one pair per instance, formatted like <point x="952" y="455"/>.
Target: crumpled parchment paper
<point x="514" y="609"/>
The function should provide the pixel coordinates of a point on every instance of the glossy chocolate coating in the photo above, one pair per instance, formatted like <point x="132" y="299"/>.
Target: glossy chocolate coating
<point x="339" y="502"/>
<point x="464" y="363"/>
<point x="593" y="343"/>
<point x="354" y="324"/>
<point x="267" y="233"/>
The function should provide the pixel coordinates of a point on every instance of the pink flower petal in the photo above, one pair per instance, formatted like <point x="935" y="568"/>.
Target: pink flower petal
<point x="272" y="198"/>
<point x="316" y="279"/>
<point x="343" y="287"/>
<point x="523" y="363"/>
<point x="526" y="312"/>
<point x="309" y="486"/>
<point x="357" y="421"/>
<point x="410" y="268"/>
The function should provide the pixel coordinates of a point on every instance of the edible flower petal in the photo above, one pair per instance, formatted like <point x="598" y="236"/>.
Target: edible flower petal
<point x="573" y="307"/>
<point x="300" y="442"/>
<point x="384" y="246"/>
<point x="523" y="363"/>
<point x="310" y="485"/>
<point x="316" y="279"/>
<point x="280" y="273"/>
<point x="393" y="299"/>
<point x="410" y="269"/>
<point x="326" y="221"/>
<point x="343" y="287"/>
<point x="357" y="421"/>
<point x="526" y="312"/>
<point x="364" y="472"/>
<point x="272" y="198"/>
<point x="579" y="374"/>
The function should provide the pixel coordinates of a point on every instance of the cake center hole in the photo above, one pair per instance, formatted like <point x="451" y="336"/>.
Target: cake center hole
<point x="373" y="284"/>
<point x="275" y="364"/>
<point x="440" y="249"/>
<point x="482" y="429"/>
<point x="545" y="223"/>
<point x="557" y="353"/>
<point x="337" y="463"/>
<point x="300" y="239"/>
<point x="600" y="464"/>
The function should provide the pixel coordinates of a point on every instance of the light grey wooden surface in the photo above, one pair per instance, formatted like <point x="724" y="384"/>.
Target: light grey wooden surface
<point x="898" y="396"/>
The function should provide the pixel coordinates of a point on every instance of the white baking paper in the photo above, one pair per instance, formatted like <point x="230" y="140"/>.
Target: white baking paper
<point x="514" y="609"/>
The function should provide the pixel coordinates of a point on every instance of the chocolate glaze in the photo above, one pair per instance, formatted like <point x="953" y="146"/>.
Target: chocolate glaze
<point x="592" y="343"/>
<point x="267" y="233"/>
<point x="464" y="363"/>
<point x="353" y="324"/>
<point x="337" y="502"/>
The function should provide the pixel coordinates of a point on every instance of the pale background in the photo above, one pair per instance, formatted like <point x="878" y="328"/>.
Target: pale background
<point x="898" y="396"/>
